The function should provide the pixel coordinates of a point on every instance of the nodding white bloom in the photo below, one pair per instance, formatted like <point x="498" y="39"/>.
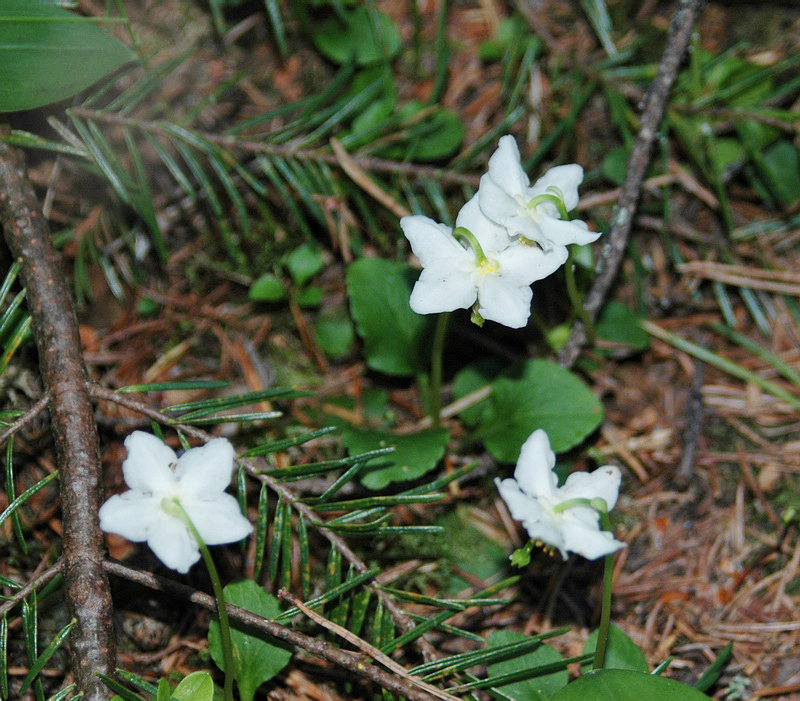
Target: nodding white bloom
<point x="534" y="498"/>
<point x="157" y="477"/>
<point x="538" y="213"/>
<point x="493" y="272"/>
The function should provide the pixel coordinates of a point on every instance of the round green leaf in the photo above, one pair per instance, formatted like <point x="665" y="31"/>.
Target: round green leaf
<point x="620" y="325"/>
<point x="626" y="685"/>
<point x="537" y="394"/>
<point x="436" y="137"/>
<point x="310" y="296"/>
<point x="621" y="651"/>
<point x="198" y="686"/>
<point x="335" y="333"/>
<point x="267" y="289"/>
<point x="256" y="657"/>
<point x="366" y="37"/>
<point x="414" y="454"/>
<point x="538" y="687"/>
<point x="395" y="337"/>
<point x="48" y="54"/>
<point x="304" y="262"/>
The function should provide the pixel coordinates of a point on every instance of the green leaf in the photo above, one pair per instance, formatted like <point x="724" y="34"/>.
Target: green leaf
<point x="395" y="337"/>
<point x="615" y="165"/>
<point x="783" y="163"/>
<point x="198" y="686"/>
<point x="335" y="333"/>
<point x="256" y="658"/>
<point x="267" y="288"/>
<point x="304" y="262"/>
<point x="537" y="688"/>
<point x="437" y="136"/>
<point x="626" y="685"/>
<point x="621" y="652"/>
<point x="618" y="324"/>
<point x="48" y="54"/>
<point x="536" y="394"/>
<point x="414" y="454"/>
<point x="365" y="37"/>
<point x="309" y="297"/>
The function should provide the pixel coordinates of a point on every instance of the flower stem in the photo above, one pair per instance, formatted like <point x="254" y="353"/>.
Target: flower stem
<point x="469" y="237"/>
<point x="222" y="610"/>
<point x="605" y="611"/>
<point x="437" y="356"/>
<point x="575" y="298"/>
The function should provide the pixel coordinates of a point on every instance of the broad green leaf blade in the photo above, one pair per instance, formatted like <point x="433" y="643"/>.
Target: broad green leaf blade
<point x="48" y="54"/>
<point x="414" y="454"/>
<point x="626" y="685"/>
<point x="537" y="394"/>
<point x="256" y="659"/>
<point x="621" y="652"/>
<point x="537" y="687"/>
<point x="304" y="262"/>
<point x="395" y="337"/>
<point x="620" y="326"/>
<point x="198" y="686"/>
<point x="365" y="37"/>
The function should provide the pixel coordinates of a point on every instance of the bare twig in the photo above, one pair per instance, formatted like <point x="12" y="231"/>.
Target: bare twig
<point x="404" y="622"/>
<point x="39" y="580"/>
<point x="55" y="330"/>
<point x="37" y="408"/>
<point x="365" y="647"/>
<point x="613" y="249"/>
<point x="318" y="648"/>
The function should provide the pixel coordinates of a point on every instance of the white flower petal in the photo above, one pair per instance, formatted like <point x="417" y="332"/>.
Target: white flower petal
<point x="533" y="498"/>
<point x="523" y="264"/>
<point x="491" y="236"/>
<point x="129" y="515"/>
<point x="430" y="241"/>
<point x="496" y="203"/>
<point x="147" y="467"/>
<point x="558" y="232"/>
<point x="501" y="301"/>
<point x="590" y="542"/>
<point x="172" y="543"/>
<point x="534" y="472"/>
<point x="205" y="472"/>
<point x="218" y="521"/>
<point x="566" y="178"/>
<point x="505" y="168"/>
<point x="520" y="505"/>
<point x="442" y="288"/>
<point x="603" y="482"/>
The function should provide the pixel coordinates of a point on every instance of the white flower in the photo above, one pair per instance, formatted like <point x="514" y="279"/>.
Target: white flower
<point x="197" y="480"/>
<point x="507" y="198"/>
<point x="533" y="498"/>
<point x="497" y="275"/>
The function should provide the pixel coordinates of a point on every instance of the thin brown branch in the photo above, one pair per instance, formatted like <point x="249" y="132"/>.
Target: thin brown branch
<point x="319" y="648"/>
<point x="404" y="622"/>
<point x="613" y="250"/>
<point x="55" y="330"/>
<point x="33" y="411"/>
<point x="365" y="647"/>
<point x="39" y="580"/>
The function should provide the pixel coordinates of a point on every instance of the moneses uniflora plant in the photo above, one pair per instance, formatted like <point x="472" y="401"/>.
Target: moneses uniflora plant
<point x="566" y="518"/>
<point x="506" y="237"/>
<point x="160" y="482"/>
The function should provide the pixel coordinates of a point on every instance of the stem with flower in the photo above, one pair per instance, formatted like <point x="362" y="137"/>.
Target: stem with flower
<point x="600" y="506"/>
<point x="173" y="508"/>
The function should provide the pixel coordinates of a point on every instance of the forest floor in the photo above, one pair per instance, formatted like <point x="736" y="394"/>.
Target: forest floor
<point x="711" y="461"/>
